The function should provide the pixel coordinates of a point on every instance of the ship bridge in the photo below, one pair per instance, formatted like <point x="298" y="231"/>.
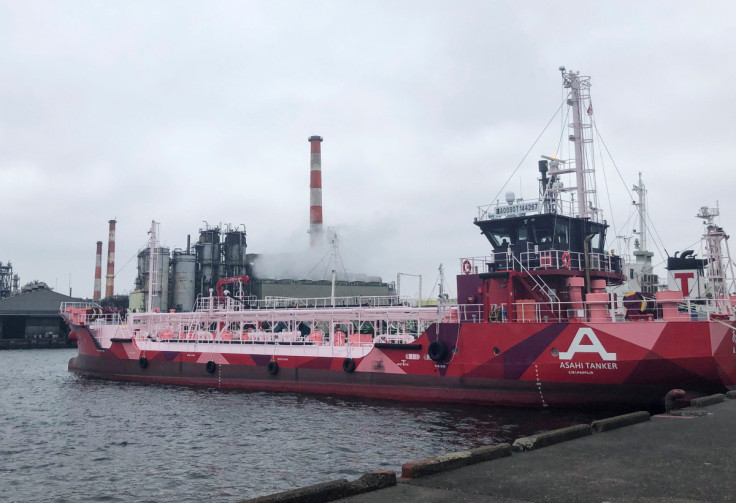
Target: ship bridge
<point x="548" y="241"/>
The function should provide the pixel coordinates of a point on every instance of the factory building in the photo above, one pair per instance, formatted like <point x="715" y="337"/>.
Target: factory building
<point x="308" y="289"/>
<point x="270" y="280"/>
<point x="220" y="252"/>
<point x="182" y="275"/>
<point x="32" y="318"/>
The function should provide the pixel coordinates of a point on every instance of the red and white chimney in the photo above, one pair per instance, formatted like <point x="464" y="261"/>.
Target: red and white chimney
<point x="110" y="278"/>
<point x="98" y="273"/>
<point x="315" y="192"/>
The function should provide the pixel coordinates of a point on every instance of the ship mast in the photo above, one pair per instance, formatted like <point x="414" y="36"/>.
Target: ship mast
<point x="643" y="266"/>
<point x="720" y="275"/>
<point x="581" y="129"/>
<point x="641" y="191"/>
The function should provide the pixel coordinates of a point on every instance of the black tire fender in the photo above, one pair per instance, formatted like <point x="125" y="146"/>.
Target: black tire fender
<point x="272" y="368"/>
<point x="437" y="351"/>
<point x="348" y="365"/>
<point x="210" y="367"/>
<point x="143" y="362"/>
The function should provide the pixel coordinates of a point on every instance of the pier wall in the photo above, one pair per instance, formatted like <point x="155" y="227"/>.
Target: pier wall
<point x="683" y="455"/>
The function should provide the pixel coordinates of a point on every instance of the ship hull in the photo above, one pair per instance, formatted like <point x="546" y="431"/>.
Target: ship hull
<point x="494" y="392"/>
<point x="526" y="365"/>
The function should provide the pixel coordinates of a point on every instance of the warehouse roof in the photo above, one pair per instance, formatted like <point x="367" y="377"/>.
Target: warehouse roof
<point x="37" y="302"/>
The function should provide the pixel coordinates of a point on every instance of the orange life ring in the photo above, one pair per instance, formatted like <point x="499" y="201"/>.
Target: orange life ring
<point x="466" y="266"/>
<point x="566" y="260"/>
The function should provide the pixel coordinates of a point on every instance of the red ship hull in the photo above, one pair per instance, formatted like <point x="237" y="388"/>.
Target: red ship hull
<point x="510" y="364"/>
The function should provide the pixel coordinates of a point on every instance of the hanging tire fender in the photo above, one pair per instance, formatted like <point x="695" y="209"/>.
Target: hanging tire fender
<point x="210" y="367"/>
<point x="437" y="351"/>
<point x="272" y="368"/>
<point x="348" y="365"/>
<point x="143" y="362"/>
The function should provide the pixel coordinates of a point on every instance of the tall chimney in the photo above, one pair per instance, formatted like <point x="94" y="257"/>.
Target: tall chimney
<point x="315" y="192"/>
<point x="98" y="273"/>
<point x="110" y="278"/>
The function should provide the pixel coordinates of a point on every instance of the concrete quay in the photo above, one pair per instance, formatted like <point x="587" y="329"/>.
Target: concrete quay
<point x="687" y="455"/>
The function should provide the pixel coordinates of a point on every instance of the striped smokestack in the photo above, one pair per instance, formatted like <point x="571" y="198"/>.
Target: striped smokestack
<point x="98" y="272"/>
<point x="110" y="278"/>
<point x="315" y="192"/>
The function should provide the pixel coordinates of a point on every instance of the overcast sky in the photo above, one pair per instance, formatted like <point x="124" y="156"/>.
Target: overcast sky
<point x="185" y="112"/>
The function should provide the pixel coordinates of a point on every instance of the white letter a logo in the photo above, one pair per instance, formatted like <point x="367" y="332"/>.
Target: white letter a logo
<point x="595" y="346"/>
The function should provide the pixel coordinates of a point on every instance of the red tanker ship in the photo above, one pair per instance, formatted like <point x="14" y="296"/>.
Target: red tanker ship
<point x="536" y="324"/>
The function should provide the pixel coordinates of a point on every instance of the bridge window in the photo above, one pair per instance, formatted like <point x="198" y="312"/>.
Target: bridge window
<point x="501" y="237"/>
<point x="561" y="233"/>
<point x="597" y="242"/>
<point x="543" y="235"/>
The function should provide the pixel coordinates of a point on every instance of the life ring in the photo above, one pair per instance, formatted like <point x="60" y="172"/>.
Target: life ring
<point x="211" y="367"/>
<point x="272" y="368"/>
<point x="348" y="365"/>
<point x="566" y="260"/>
<point x="143" y="362"/>
<point x="466" y="266"/>
<point x="437" y="351"/>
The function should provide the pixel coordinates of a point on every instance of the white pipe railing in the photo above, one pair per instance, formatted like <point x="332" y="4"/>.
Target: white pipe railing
<point x="541" y="260"/>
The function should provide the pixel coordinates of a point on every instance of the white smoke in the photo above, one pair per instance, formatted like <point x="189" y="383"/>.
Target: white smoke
<point x="313" y="263"/>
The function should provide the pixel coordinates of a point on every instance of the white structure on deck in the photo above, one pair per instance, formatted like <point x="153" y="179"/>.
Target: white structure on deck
<point x="720" y="270"/>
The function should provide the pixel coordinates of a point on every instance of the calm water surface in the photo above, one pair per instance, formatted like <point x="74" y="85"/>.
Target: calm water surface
<point x="66" y="438"/>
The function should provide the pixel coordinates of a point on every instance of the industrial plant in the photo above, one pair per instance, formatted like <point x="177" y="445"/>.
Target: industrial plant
<point x="219" y="254"/>
<point x="8" y="281"/>
<point x="180" y="276"/>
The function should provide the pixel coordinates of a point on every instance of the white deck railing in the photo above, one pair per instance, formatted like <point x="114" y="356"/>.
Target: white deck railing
<point x="542" y="260"/>
<point x="364" y="326"/>
<point x="610" y="310"/>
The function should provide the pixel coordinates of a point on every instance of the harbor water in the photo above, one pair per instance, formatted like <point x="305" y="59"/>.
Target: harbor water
<point x="67" y="438"/>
